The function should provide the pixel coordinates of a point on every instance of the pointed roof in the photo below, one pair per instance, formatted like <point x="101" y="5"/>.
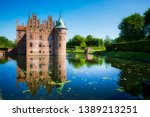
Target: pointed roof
<point x="60" y="23"/>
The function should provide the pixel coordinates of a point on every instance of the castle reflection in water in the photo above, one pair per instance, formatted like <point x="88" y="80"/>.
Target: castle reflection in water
<point x="37" y="71"/>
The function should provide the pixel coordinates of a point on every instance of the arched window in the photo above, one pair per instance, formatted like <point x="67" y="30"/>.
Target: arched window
<point x="31" y="44"/>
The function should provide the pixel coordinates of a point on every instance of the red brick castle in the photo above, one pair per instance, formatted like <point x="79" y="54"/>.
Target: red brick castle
<point x="46" y="38"/>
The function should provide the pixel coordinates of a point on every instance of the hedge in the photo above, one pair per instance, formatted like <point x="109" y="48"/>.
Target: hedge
<point x="140" y="46"/>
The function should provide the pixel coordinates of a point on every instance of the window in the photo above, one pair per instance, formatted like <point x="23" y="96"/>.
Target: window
<point x="31" y="52"/>
<point x="40" y="37"/>
<point x="40" y="51"/>
<point x="31" y="44"/>
<point x="59" y="44"/>
<point x="40" y="45"/>
<point x="49" y="45"/>
<point x="50" y="52"/>
<point x="31" y="66"/>
<point x="40" y="66"/>
<point x="40" y="73"/>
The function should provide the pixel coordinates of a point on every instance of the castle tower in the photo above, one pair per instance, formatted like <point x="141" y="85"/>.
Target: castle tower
<point x="60" y="32"/>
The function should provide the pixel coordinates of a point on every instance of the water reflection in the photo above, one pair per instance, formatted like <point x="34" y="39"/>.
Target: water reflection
<point x="134" y="77"/>
<point x="79" y="60"/>
<point x="37" y="71"/>
<point x="73" y="77"/>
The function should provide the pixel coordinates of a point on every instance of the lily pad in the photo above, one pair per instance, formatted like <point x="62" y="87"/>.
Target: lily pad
<point x="26" y="91"/>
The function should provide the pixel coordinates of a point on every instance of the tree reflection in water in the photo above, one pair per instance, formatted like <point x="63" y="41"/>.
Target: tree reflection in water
<point x="134" y="77"/>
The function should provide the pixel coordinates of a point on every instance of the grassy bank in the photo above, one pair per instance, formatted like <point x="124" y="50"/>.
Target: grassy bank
<point x="142" y="56"/>
<point x="81" y="50"/>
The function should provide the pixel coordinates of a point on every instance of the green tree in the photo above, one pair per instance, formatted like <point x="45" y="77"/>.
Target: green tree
<point x="132" y="28"/>
<point x="107" y="41"/>
<point x="5" y="43"/>
<point x="77" y="40"/>
<point x="147" y="23"/>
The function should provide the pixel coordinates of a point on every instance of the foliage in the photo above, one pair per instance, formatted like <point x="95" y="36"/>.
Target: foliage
<point x="77" y="40"/>
<point x="90" y="41"/>
<point x="5" y="43"/>
<point x="147" y="23"/>
<point x="107" y="41"/>
<point x="132" y="28"/>
<point x="81" y="41"/>
<point x="141" y="56"/>
<point x="138" y="46"/>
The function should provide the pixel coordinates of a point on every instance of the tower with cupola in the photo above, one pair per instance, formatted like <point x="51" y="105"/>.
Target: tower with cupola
<point x="60" y="32"/>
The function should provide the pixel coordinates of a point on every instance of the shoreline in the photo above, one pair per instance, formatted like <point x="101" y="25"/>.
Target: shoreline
<point x="138" y="56"/>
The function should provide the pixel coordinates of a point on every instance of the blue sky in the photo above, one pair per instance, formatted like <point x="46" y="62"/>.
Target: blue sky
<point x="96" y="17"/>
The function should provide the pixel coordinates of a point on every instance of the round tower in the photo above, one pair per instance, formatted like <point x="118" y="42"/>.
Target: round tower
<point x="60" y="32"/>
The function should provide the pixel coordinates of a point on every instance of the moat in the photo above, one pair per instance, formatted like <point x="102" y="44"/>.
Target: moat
<point x="74" y="76"/>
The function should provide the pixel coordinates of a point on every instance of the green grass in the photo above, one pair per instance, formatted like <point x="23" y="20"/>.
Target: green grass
<point x="80" y="50"/>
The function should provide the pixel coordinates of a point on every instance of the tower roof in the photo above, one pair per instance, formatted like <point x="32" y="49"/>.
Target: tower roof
<point x="60" y="23"/>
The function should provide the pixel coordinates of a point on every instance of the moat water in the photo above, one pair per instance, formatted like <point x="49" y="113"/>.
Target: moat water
<point x="73" y="77"/>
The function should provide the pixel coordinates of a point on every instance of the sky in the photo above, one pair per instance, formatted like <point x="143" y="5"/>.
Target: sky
<point x="95" y="17"/>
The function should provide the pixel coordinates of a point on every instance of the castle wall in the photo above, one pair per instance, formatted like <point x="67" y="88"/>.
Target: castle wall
<point x="21" y="42"/>
<point x="60" y="41"/>
<point x="37" y="43"/>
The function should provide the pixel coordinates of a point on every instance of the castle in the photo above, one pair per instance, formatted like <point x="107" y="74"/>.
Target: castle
<point x="46" y="38"/>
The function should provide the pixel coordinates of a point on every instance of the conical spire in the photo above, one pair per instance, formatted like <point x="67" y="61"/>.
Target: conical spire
<point x="60" y="23"/>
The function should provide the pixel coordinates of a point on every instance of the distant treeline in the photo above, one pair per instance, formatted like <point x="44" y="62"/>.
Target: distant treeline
<point x="88" y="41"/>
<point x="134" y="28"/>
<point x="5" y="43"/>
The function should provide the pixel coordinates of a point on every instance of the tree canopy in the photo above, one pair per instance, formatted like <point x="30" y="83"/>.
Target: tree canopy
<point x="5" y="43"/>
<point x="132" y="28"/>
<point x="81" y="41"/>
<point x="147" y="23"/>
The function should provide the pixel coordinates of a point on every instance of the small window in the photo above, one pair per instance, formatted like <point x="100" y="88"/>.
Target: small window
<point x="31" y="52"/>
<point x="40" y="37"/>
<point x="40" y="51"/>
<point x="50" y="52"/>
<point x="59" y="45"/>
<point x="40" y="66"/>
<point x="40" y="45"/>
<point x="31" y="44"/>
<point x="40" y="73"/>
<point x="49" y="45"/>
<point x="31" y="66"/>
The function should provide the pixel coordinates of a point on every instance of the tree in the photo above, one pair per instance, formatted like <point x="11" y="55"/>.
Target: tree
<point x="5" y="43"/>
<point x="90" y="41"/>
<point x="132" y="28"/>
<point x="107" y="41"/>
<point x="77" y="40"/>
<point x="147" y="23"/>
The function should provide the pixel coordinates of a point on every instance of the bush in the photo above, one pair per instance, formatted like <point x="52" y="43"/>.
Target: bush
<point x="139" y="46"/>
